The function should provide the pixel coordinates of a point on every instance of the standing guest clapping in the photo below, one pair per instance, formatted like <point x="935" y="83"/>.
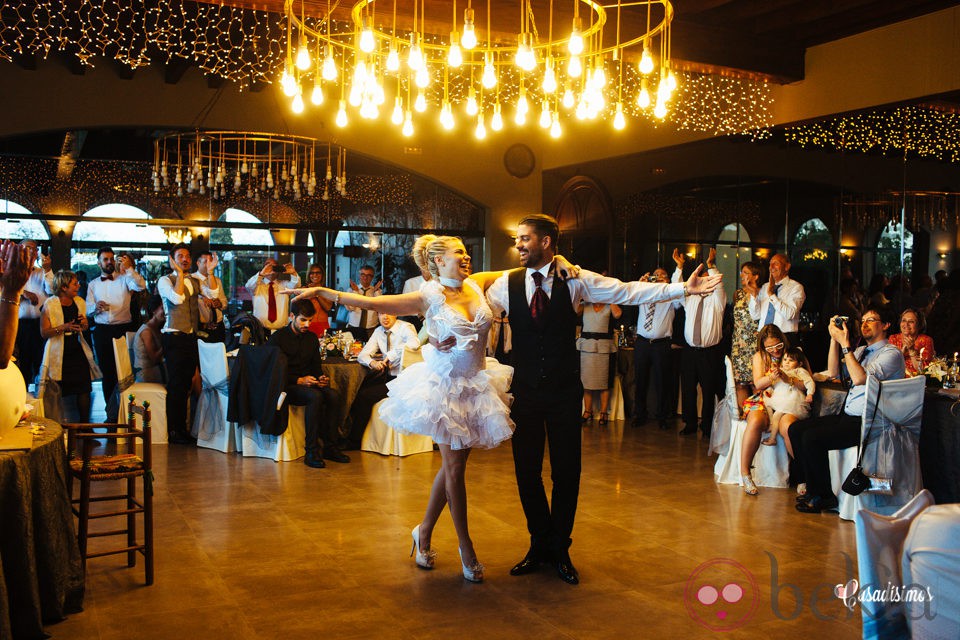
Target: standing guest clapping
<point x="32" y="296"/>
<point x="362" y="322"/>
<point x="321" y="308"/>
<point x="914" y="344"/>
<point x="780" y="300"/>
<point x="14" y="271"/>
<point x="744" y="330"/>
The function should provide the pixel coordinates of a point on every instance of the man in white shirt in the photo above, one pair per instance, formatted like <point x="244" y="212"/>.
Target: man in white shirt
<point x="362" y="322"/>
<point x="180" y="292"/>
<point x="38" y="288"/>
<point x="546" y="383"/>
<point x="382" y="355"/>
<point x="269" y="307"/>
<point x="702" y="360"/>
<point x="651" y="354"/>
<point x="412" y="285"/>
<point x="211" y="309"/>
<point x="780" y="300"/>
<point x="108" y="305"/>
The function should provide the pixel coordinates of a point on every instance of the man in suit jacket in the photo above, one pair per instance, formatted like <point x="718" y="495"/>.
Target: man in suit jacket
<point x="546" y="383"/>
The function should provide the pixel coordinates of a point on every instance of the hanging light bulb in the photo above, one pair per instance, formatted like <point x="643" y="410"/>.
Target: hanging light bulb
<point x="446" y="116"/>
<point x="549" y="77"/>
<point x="287" y="81"/>
<point x="646" y="60"/>
<point x="545" y="119"/>
<point x="316" y="97"/>
<point x="599" y="75"/>
<point x="568" y="99"/>
<point x="581" y="112"/>
<point x="574" y="67"/>
<point x="329" y="65"/>
<point x="671" y="81"/>
<point x="393" y="58"/>
<point x="407" y="125"/>
<point x="423" y="77"/>
<point x="643" y="98"/>
<point x="303" y="54"/>
<point x="454" y="56"/>
<point x="619" y="122"/>
<point x="575" y="44"/>
<point x="481" y="130"/>
<point x="555" y="130"/>
<point x="342" y="114"/>
<point x="520" y="117"/>
<point x="297" y="105"/>
<point x="472" y="107"/>
<point x="420" y="104"/>
<point x="525" y="58"/>
<point x="489" y="78"/>
<point x="414" y="54"/>
<point x="367" y="41"/>
<point x="496" y="121"/>
<point x="379" y="97"/>
<point x="660" y="111"/>
<point x="469" y="40"/>
<point x="397" y="116"/>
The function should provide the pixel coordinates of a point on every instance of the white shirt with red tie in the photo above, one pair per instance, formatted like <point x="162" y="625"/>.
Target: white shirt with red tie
<point x="259" y="288"/>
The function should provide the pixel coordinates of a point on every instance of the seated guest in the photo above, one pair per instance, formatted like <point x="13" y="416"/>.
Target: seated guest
<point x="67" y="358"/>
<point x="269" y="307"/>
<point x="382" y="355"/>
<point x="306" y="386"/>
<point x="147" y="349"/>
<point x="916" y="347"/>
<point x="813" y="438"/>
<point x="321" y="306"/>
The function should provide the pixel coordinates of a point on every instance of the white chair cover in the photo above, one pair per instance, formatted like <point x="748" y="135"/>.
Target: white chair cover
<point x="210" y="426"/>
<point x="879" y="543"/>
<point x="931" y="558"/>
<point x="155" y="394"/>
<point x="287" y="446"/>
<point x="380" y="438"/>
<point x="727" y="412"/>
<point x="891" y="452"/>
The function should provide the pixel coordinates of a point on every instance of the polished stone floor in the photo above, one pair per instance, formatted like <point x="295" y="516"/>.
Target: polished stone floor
<point x="249" y="548"/>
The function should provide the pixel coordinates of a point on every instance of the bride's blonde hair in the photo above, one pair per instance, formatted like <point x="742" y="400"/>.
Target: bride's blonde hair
<point x="427" y="247"/>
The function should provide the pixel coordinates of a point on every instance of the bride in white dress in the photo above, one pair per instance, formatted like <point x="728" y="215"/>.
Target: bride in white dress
<point x="457" y="396"/>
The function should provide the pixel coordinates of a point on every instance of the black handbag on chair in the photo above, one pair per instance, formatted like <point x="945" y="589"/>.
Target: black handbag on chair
<point x="858" y="481"/>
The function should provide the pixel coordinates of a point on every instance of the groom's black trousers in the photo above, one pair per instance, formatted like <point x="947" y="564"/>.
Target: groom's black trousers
<point x="553" y="415"/>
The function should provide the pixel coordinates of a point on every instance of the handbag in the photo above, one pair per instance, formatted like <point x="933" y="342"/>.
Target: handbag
<point x="858" y="480"/>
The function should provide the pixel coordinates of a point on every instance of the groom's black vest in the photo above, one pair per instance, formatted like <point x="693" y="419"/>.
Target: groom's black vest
<point x="545" y="357"/>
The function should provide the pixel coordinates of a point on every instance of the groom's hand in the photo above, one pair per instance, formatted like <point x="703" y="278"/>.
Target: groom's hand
<point x="702" y="285"/>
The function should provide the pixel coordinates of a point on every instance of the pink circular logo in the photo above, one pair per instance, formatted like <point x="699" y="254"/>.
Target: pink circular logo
<point x="721" y="595"/>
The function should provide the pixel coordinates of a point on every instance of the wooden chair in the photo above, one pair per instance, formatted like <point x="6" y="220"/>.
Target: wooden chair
<point x="128" y="466"/>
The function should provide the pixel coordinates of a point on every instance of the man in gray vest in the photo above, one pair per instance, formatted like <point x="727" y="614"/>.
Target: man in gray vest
<point x="180" y="292"/>
<point x="547" y="393"/>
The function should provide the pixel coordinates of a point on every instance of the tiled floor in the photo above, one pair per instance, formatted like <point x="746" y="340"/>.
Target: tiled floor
<point x="249" y="548"/>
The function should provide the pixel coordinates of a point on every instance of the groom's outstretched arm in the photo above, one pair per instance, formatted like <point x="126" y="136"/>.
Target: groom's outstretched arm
<point x="593" y="287"/>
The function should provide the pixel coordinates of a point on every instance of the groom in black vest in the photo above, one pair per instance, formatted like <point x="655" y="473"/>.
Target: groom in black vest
<point x="547" y="393"/>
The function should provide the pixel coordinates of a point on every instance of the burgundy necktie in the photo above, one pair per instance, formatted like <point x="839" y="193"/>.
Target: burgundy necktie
<point x="271" y="304"/>
<point x="539" y="301"/>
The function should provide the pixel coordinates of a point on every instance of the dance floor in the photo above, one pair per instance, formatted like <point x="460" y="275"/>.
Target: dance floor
<point x="249" y="548"/>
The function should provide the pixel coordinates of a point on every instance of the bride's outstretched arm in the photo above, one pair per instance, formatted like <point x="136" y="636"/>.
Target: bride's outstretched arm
<point x="399" y="305"/>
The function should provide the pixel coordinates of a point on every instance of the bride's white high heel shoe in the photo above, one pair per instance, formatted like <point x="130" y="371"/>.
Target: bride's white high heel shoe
<point x="424" y="559"/>
<point x="473" y="573"/>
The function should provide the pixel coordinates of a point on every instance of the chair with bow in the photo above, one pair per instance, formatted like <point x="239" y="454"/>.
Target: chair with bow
<point x="87" y="468"/>
<point x="152" y="392"/>
<point x="210" y="426"/>
<point x="890" y="435"/>
<point x="771" y="465"/>
<point x="380" y="438"/>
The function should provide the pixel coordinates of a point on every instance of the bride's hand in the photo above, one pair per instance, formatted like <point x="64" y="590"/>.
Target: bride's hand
<point x="572" y="270"/>
<point x="301" y="294"/>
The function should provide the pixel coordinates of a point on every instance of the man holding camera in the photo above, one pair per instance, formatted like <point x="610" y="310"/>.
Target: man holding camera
<point x="269" y="307"/>
<point x="813" y="438"/>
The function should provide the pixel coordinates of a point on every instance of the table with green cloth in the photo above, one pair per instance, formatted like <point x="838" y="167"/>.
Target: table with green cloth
<point x="41" y="571"/>
<point x="346" y="376"/>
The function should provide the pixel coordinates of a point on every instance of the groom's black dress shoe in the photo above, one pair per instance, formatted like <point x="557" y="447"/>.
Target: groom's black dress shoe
<point x="816" y="504"/>
<point x="530" y="563"/>
<point x="566" y="570"/>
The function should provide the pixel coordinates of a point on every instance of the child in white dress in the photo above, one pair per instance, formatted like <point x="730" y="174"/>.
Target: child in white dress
<point x="786" y="397"/>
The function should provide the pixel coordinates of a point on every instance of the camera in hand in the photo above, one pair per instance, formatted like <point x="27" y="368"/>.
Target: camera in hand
<point x="281" y="272"/>
<point x="840" y="321"/>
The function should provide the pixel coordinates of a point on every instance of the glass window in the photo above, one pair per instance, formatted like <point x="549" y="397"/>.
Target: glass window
<point x="20" y="228"/>
<point x="729" y="258"/>
<point x="888" y="251"/>
<point x="254" y="237"/>
<point x="117" y="232"/>
<point x="240" y="263"/>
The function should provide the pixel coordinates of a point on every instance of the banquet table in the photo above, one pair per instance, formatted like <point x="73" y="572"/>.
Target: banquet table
<point x="41" y="571"/>
<point x="346" y="376"/>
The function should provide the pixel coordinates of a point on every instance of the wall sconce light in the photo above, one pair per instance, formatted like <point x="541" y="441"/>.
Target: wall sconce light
<point x="942" y="255"/>
<point x="178" y="236"/>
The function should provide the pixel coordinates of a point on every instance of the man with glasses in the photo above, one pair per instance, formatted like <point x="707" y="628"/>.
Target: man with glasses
<point x="813" y="438"/>
<point x="362" y="322"/>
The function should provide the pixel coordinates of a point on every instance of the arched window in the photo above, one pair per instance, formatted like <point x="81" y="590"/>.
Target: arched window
<point x="239" y="264"/>
<point x="729" y="257"/>
<point x="20" y="228"/>
<point x="813" y="257"/>
<point x="117" y="232"/>
<point x="252" y="237"/>
<point x="812" y="243"/>
<point x="888" y="251"/>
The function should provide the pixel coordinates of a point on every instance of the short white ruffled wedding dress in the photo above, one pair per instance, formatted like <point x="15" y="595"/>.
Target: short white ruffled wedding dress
<point x="459" y="397"/>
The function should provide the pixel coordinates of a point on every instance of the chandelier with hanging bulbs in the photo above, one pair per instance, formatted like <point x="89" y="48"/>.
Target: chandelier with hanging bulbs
<point x="366" y="68"/>
<point x="238" y="164"/>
